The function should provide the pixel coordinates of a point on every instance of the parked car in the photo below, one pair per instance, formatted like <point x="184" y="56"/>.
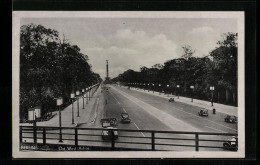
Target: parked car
<point x="231" y="144"/>
<point x="110" y="124"/>
<point x="125" y="118"/>
<point x="171" y="100"/>
<point x="230" y="119"/>
<point x="203" y="112"/>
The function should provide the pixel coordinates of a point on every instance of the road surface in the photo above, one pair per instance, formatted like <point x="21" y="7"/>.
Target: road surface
<point x="148" y="112"/>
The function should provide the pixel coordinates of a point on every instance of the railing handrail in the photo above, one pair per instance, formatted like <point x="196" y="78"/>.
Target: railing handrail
<point x="132" y="130"/>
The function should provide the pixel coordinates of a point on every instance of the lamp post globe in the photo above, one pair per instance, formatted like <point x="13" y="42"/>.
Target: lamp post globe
<point x="59" y="102"/>
<point x="212" y="88"/>
<point x="178" y="87"/>
<point x="72" y="96"/>
<point x="77" y="94"/>
<point x="192" y="89"/>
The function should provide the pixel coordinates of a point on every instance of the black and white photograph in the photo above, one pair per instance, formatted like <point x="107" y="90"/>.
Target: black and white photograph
<point x="121" y="84"/>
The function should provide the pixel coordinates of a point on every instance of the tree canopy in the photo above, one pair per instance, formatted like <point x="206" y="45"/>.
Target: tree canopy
<point x="50" y="67"/>
<point x="218" y="69"/>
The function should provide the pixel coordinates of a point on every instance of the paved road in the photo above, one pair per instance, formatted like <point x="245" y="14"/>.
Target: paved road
<point x="149" y="112"/>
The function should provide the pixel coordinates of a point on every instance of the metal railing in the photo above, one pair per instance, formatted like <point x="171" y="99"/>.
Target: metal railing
<point x="125" y="140"/>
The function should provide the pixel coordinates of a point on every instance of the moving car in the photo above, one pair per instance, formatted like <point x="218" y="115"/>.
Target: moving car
<point x="203" y="112"/>
<point x="125" y="118"/>
<point x="110" y="124"/>
<point x="230" y="119"/>
<point x="231" y="144"/>
<point x="171" y="100"/>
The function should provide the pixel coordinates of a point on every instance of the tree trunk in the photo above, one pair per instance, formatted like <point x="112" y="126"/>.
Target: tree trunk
<point x="234" y="98"/>
<point x="227" y="96"/>
<point x="218" y="96"/>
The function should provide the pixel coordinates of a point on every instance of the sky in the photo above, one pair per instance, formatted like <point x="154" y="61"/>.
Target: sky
<point x="129" y="43"/>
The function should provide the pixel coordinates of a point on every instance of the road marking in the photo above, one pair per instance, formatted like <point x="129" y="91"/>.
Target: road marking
<point x="96" y="112"/>
<point x="206" y="119"/>
<point x="216" y="129"/>
<point x="114" y="98"/>
<point x="124" y="110"/>
<point x="182" y="111"/>
<point x="159" y="114"/>
<point x="139" y="129"/>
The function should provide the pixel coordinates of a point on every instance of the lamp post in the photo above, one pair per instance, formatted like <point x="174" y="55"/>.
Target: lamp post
<point x="83" y="93"/>
<point x="86" y="95"/>
<point x="159" y="89"/>
<point x="168" y="89"/>
<point x="192" y="88"/>
<point x="144" y="86"/>
<point x="89" y="93"/>
<point x="72" y="96"/>
<point x="148" y="87"/>
<point x="77" y="94"/>
<point x="153" y="88"/>
<point x="59" y="103"/>
<point x="178" y="87"/>
<point x="212" y="88"/>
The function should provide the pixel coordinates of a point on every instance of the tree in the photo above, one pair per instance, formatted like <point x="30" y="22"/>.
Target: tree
<point x="225" y="64"/>
<point x="50" y="67"/>
<point x="187" y="52"/>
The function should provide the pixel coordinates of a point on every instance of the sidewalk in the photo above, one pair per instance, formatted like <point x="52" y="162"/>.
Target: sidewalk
<point x="66" y="114"/>
<point x="226" y="109"/>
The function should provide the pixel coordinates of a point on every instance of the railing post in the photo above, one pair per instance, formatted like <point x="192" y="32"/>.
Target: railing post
<point x="21" y="134"/>
<point x="112" y="140"/>
<point x="197" y="141"/>
<point x="153" y="141"/>
<point x="34" y="132"/>
<point x="236" y="144"/>
<point x="76" y="137"/>
<point x="44" y="136"/>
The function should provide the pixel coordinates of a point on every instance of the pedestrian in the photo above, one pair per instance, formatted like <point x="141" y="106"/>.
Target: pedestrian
<point x="214" y="111"/>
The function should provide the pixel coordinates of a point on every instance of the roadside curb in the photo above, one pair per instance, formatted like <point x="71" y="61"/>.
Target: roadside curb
<point x="225" y="109"/>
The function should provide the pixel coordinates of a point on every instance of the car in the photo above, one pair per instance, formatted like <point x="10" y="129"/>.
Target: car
<point x="203" y="112"/>
<point x="107" y="134"/>
<point x="231" y="144"/>
<point x="109" y="125"/>
<point x="125" y="118"/>
<point x="171" y="100"/>
<point x="230" y="119"/>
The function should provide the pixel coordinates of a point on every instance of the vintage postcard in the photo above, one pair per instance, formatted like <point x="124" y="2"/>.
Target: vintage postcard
<point x="127" y="84"/>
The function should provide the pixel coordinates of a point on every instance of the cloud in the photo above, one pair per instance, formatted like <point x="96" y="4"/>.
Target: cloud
<point x="202" y="39"/>
<point x="202" y="30"/>
<point x="128" y="49"/>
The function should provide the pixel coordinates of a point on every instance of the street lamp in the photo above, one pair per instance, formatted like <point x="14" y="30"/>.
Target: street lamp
<point x="148" y="87"/>
<point x="212" y="94"/>
<point x="59" y="103"/>
<point x="83" y="93"/>
<point x="86" y="95"/>
<point x="168" y="89"/>
<point x="159" y="89"/>
<point x="72" y="96"/>
<point x="178" y="86"/>
<point x="153" y="88"/>
<point x="192" y="89"/>
<point x="77" y="94"/>
<point x="32" y="118"/>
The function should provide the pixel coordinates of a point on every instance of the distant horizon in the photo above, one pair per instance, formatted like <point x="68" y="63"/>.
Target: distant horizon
<point x="129" y="43"/>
